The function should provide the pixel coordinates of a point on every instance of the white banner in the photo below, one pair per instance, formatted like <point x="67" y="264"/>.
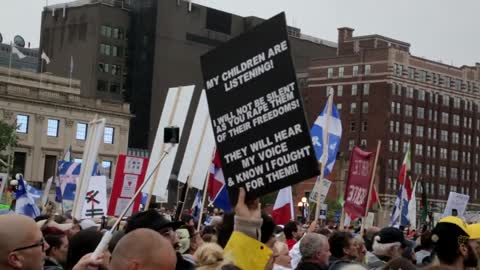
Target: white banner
<point x="457" y="202"/>
<point x="199" y="152"/>
<point x="322" y="188"/>
<point x="95" y="202"/>
<point x="174" y="113"/>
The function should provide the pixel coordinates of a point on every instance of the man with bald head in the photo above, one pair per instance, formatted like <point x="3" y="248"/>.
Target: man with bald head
<point x="21" y="243"/>
<point x="143" y="249"/>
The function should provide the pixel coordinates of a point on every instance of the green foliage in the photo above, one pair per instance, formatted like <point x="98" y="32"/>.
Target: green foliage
<point x="333" y="206"/>
<point x="8" y="136"/>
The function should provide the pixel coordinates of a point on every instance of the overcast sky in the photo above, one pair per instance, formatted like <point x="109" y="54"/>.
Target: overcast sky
<point x="445" y="30"/>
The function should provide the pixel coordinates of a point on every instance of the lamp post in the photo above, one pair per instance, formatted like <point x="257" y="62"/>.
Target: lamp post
<point x="302" y="205"/>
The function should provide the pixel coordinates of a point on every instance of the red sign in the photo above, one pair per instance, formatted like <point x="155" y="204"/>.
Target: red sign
<point x="358" y="183"/>
<point x="129" y="176"/>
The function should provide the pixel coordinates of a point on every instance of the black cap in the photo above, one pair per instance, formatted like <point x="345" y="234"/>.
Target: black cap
<point x="390" y="235"/>
<point x="150" y="219"/>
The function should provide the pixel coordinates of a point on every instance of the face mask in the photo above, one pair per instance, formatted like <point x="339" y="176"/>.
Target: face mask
<point x="279" y="267"/>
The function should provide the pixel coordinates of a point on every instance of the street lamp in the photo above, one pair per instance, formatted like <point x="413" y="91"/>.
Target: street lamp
<point x="301" y="207"/>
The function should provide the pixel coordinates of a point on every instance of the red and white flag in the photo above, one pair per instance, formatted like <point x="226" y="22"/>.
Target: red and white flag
<point x="283" y="209"/>
<point x="405" y="174"/>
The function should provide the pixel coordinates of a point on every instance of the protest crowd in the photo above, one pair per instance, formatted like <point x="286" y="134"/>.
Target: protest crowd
<point x="151" y="240"/>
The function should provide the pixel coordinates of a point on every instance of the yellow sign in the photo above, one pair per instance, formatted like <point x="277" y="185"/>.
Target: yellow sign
<point x="246" y="252"/>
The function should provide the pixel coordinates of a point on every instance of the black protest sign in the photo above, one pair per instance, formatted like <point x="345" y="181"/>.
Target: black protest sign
<point x="257" y="113"/>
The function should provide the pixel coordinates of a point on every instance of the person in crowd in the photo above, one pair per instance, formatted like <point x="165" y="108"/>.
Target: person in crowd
<point x="281" y="258"/>
<point x="117" y="235"/>
<point x="399" y="263"/>
<point x="423" y="256"/>
<point x="151" y="219"/>
<point x="409" y="252"/>
<point x="83" y="243"/>
<point x="57" y="252"/>
<point x="210" y="256"/>
<point x="452" y="244"/>
<point x="209" y="235"/>
<point x="343" y="249"/>
<point x="361" y="250"/>
<point x="189" y="242"/>
<point x="292" y="231"/>
<point x="88" y="224"/>
<point x="188" y="220"/>
<point x="143" y="249"/>
<point x="389" y="244"/>
<point x="315" y="251"/>
<point x="21" y="243"/>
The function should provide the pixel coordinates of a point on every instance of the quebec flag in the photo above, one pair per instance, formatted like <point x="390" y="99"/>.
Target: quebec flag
<point x="67" y="183"/>
<point x="334" y="136"/>
<point x="400" y="216"/>
<point x="25" y="205"/>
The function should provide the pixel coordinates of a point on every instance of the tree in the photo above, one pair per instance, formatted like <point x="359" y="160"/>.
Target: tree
<point x="8" y="139"/>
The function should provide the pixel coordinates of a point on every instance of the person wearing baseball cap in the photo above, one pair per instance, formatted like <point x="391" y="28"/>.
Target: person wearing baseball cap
<point x="452" y="243"/>
<point x="389" y="244"/>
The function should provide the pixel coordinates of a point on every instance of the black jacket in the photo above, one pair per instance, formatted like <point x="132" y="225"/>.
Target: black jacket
<point x="182" y="264"/>
<point x="51" y="265"/>
<point x="309" y="266"/>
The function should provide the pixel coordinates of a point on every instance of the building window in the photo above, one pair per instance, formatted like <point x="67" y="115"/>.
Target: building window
<point x="340" y="72"/>
<point x="411" y="73"/>
<point x="106" y="31"/>
<point x="351" y="144"/>
<point x="454" y="155"/>
<point x="115" y="70"/>
<point x="407" y="129"/>
<point x="22" y="123"/>
<point x="443" y="171"/>
<point x="330" y="73"/>
<point x="353" y="107"/>
<point x="365" y="107"/>
<point x="354" y="89"/>
<point x="116" y="51"/>
<point x="456" y="103"/>
<point x="444" y="135"/>
<point x="406" y="145"/>
<point x="114" y="87"/>
<point x="419" y="131"/>
<point x="52" y="127"/>
<point x="443" y="153"/>
<point x="408" y="110"/>
<point x="352" y="127"/>
<point x="409" y="92"/>
<point x="355" y="71"/>
<point x="105" y="49"/>
<point x="340" y="90"/>
<point x="420" y="112"/>
<point x="456" y="120"/>
<point x="366" y="89"/>
<point x="367" y="69"/>
<point x="108" y="135"/>
<point x="364" y="126"/>
<point x="81" y="131"/>
<point x="107" y="168"/>
<point x="363" y="143"/>
<point x="392" y="126"/>
<point x="421" y="95"/>
<point x="102" y="86"/>
<point x="339" y="108"/>
<point x="398" y="107"/>
<point x="445" y="101"/>
<point x="456" y="137"/>
<point x="423" y="75"/>
<point x="453" y="173"/>
<point x="444" y="118"/>
<point x="103" y="67"/>
<point x="418" y="168"/>
<point x="419" y="149"/>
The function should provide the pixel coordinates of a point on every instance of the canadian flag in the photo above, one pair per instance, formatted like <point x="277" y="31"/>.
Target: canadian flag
<point x="283" y="209"/>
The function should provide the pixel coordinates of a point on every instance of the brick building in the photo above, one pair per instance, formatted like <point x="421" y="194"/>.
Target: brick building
<point x="383" y="92"/>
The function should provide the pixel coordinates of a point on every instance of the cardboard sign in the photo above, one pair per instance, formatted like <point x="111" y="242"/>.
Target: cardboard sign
<point x="256" y="111"/>
<point x="323" y="211"/>
<point x="456" y="202"/>
<point x="95" y="202"/>
<point x="321" y="189"/>
<point x="129" y="176"/>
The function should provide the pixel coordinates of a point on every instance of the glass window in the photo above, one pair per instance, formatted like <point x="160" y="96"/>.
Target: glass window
<point x="81" y="131"/>
<point x="353" y="107"/>
<point x="340" y="90"/>
<point x="114" y="51"/>
<point x="115" y="70"/>
<point x="330" y="73"/>
<point x="52" y="127"/>
<point x="407" y="129"/>
<point x="408" y="110"/>
<point x="108" y="135"/>
<point x="364" y="126"/>
<point x="340" y="72"/>
<point x="367" y="69"/>
<point x="354" y="89"/>
<point x="419" y="131"/>
<point x="409" y="92"/>
<point x="102" y="86"/>
<point x="107" y="168"/>
<point x="355" y="71"/>
<point x="445" y="100"/>
<point x="22" y="123"/>
<point x="444" y="118"/>
<point x="365" y="107"/>
<point x="115" y="33"/>
<point x="351" y="144"/>
<point x="444" y="135"/>
<point x="419" y="149"/>
<point x="366" y="89"/>
<point x="454" y="154"/>
<point x="411" y="73"/>
<point x="109" y="31"/>
<point x="114" y="87"/>
<point x="352" y="126"/>
<point x="420" y="112"/>
<point x="363" y="143"/>
<point x="421" y="95"/>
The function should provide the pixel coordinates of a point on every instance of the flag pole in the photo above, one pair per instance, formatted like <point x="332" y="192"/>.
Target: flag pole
<point x="403" y="186"/>
<point x="10" y="61"/>
<point x="41" y="71"/>
<point x="205" y="189"/>
<point x="370" y="187"/>
<point x="325" y="150"/>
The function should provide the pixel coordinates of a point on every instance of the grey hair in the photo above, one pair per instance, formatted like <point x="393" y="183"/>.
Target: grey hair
<point x="310" y="243"/>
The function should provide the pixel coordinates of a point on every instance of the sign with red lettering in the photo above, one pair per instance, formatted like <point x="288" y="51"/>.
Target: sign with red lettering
<point x="129" y="176"/>
<point x="358" y="182"/>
